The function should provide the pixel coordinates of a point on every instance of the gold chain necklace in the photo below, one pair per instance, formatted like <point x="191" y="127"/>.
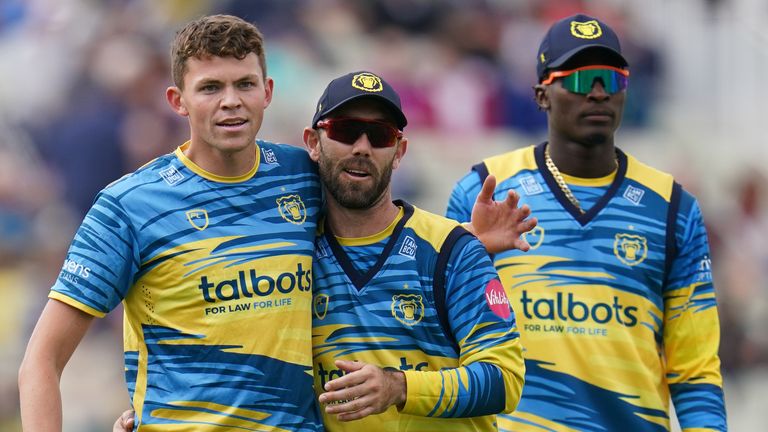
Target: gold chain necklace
<point x="560" y="180"/>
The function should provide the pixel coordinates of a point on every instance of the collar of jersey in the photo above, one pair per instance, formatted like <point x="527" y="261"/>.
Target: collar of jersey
<point x="211" y="176"/>
<point x="374" y="238"/>
<point x="590" y="182"/>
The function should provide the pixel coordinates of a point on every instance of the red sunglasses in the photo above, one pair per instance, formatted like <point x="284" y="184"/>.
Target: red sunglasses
<point x="347" y="130"/>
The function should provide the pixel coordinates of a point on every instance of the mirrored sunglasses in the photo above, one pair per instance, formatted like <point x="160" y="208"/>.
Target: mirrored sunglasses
<point x="347" y="130"/>
<point x="581" y="80"/>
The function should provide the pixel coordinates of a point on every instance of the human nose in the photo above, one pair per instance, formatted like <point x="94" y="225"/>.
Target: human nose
<point x="362" y="146"/>
<point x="230" y="99"/>
<point x="598" y="91"/>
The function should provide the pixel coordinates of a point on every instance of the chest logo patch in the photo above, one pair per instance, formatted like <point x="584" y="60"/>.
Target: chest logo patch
<point x="408" y="308"/>
<point x="171" y="176"/>
<point x="198" y="218"/>
<point x="534" y="237"/>
<point x="320" y="305"/>
<point x="630" y="249"/>
<point x="269" y="156"/>
<point x="530" y="185"/>
<point x="292" y="209"/>
<point x="634" y="195"/>
<point x="408" y="248"/>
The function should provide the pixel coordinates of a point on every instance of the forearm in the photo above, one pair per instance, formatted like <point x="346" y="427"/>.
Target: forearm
<point x="56" y="335"/>
<point x="474" y="390"/>
<point x="40" y="397"/>
<point x="699" y="407"/>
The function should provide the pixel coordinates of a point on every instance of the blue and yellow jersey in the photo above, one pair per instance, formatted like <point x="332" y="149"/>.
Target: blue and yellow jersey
<point x="422" y="297"/>
<point x="616" y="306"/>
<point x="215" y="274"/>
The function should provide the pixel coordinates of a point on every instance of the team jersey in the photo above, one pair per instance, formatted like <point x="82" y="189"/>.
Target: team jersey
<point x="429" y="304"/>
<point x="215" y="274"/>
<point x="616" y="306"/>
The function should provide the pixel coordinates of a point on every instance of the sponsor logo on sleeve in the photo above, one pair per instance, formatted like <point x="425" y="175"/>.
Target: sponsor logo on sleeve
<point x="497" y="299"/>
<point x="72" y="271"/>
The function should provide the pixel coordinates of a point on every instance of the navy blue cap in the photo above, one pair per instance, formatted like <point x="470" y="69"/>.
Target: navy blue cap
<point x="572" y="35"/>
<point x="357" y="85"/>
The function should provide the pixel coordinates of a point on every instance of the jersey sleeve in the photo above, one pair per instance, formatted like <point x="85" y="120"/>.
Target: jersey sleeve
<point x="101" y="260"/>
<point x="489" y="378"/>
<point x="463" y="198"/>
<point x="691" y="327"/>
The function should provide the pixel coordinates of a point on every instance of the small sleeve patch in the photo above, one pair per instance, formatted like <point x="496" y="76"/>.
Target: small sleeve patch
<point x="497" y="299"/>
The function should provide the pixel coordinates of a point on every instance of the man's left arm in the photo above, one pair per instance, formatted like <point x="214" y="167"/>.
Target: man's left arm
<point x="691" y="328"/>
<point x="490" y="374"/>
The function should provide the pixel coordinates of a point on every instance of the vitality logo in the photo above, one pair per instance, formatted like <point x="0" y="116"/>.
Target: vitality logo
<point x="569" y="308"/>
<point x="250" y="283"/>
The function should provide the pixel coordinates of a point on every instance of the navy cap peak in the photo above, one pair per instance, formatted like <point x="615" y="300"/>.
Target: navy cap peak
<point x="572" y="35"/>
<point x="355" y="85"/>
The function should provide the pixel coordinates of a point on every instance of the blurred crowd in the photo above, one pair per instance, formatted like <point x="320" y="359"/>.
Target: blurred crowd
<point x="82" y="86"/>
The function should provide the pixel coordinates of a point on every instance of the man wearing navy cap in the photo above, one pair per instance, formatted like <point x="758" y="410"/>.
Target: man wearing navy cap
<point x="411" y="322"/>
<point x="614" y="300"/>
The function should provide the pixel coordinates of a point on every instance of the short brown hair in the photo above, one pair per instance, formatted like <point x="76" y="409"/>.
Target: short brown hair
<point x="215" y="35"/>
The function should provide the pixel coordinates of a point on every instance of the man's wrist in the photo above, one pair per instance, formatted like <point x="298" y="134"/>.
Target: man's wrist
<point x="399" y="387"/>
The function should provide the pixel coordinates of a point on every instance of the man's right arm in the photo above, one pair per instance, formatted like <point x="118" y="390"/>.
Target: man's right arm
<point x="56" y="336"/>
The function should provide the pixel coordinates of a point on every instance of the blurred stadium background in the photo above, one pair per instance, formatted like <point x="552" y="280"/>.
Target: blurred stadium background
<point x="82" y="102"/>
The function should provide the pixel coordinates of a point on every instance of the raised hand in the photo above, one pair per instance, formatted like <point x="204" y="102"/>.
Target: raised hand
<point x="500" y="225"/>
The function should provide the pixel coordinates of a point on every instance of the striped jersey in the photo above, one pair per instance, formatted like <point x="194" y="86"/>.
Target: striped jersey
<point x="215" y="274"/>
<point x="422" y="297"/>
<point x="616" y="306"/>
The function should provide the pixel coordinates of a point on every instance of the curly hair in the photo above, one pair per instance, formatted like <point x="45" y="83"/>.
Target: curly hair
<point x="215" y="35"/>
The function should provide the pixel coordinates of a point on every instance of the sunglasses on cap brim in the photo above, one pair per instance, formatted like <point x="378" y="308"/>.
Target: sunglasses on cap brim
<point x="581" y="80"/>
<point x="347" y="130"/>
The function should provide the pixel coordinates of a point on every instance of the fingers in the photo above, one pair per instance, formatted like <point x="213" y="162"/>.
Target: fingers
<point x="349" y="365"/>
<point x="353" y="413"/>
<point x="340" y="396"/>
<point x="513" y="199"/>
<point x="352" y="405"/>
<point x="486" y="192"/>
<point x="351" y="378"/>
<point x="124" y="423"/>
<point x="366" y="390"/>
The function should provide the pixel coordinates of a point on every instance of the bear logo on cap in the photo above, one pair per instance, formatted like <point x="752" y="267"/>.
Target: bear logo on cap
<point x="586" y="30"/>
<point x="367" y="82"/>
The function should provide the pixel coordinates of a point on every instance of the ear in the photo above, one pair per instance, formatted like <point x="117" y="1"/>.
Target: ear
<point x="175" y="100"/>
<point x="269" y="88"/>
<point x="541" y="96"/>
<point x="402" y="147"/>
<point x="312" y="141"/>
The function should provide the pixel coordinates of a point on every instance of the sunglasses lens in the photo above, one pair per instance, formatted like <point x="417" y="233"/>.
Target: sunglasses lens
<point x="348" y="131"/>
<point x="581" y="81"/>
<point x="380" y="135"/>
